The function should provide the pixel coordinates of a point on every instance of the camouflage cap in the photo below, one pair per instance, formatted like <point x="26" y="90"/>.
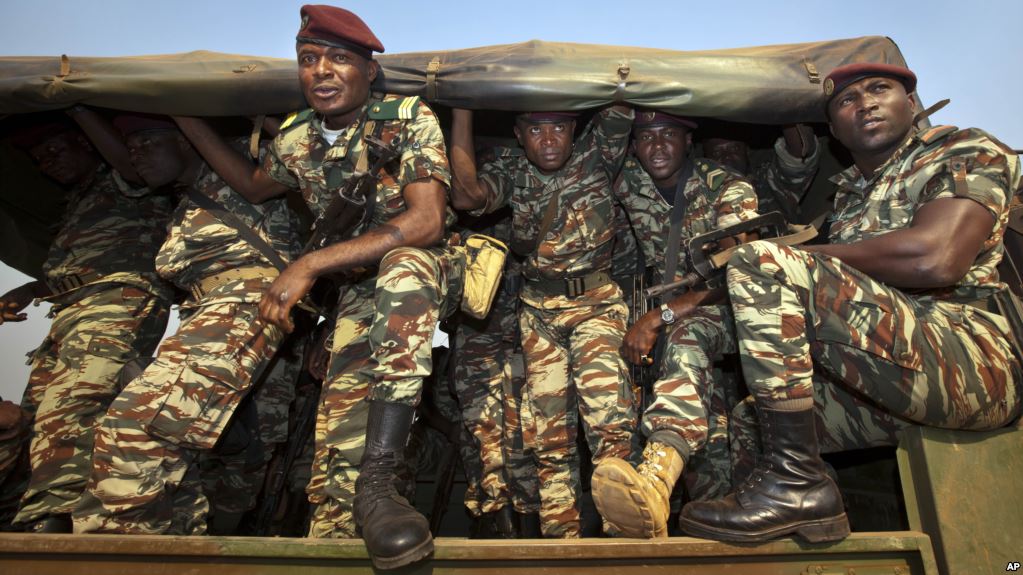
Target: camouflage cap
<point x="128" y="124"/>
<point x="339" y="28"/>
<point x="647" y="118"/>
<point x="845" y="75"/>
<point x="546" y="117"/>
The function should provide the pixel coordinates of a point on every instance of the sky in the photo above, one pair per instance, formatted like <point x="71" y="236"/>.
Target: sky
<point x="968" y="52"/>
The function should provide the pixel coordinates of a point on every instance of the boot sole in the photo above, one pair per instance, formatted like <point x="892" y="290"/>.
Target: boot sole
<point x="620" y="501"/>
<point x="407" y="558"/>
<point x="816" y="531"/>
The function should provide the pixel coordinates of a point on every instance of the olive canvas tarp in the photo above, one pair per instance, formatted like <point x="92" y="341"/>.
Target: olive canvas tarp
<point x="761" y="85"/>
<point x="768" y="84"/>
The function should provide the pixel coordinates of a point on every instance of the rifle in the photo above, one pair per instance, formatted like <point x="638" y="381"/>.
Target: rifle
<point x="643" y="376"/>
<point x="276" y="479"/>
<point x="353" y="204"/>
<point x="708" y="261"/>
<point x="346" y="212"/>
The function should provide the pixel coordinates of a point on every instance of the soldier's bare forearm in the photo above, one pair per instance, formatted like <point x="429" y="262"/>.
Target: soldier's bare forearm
<point x="107" y="141"/>
<point x="466" y="192"/>
<point x="936" y="251"/>
<point x="245" y="178"/>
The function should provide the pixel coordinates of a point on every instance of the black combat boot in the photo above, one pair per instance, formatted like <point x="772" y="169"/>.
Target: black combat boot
<point x="500" y="524"/>
<point x="789" y="490"/>
<point x="59" y="523"/>
<point x="395" y="533"/>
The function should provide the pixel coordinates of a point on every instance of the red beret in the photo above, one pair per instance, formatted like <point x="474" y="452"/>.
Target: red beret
<point x="31" y="136"/>
<point x="842" y="76"/>
<point x="337" y="27"/>
<point x="647" y="118"/>
<point x="128" y="124"/>
<point x="547" y="117"/>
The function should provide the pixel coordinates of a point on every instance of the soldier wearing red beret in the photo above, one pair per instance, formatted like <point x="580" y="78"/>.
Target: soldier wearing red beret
<point x="386" y="315"/>
<point x="572" y="316"/>
<point x="887" y="326"/>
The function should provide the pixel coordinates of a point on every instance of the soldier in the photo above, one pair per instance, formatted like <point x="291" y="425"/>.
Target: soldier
<point x="144" y="478"/>
<point x="572" y="316"/>
<point x="781" y="181"/>
<point x="109" y="308"/>
<point x="670" y="197"/>
<point x="885" y="327"/>
<point x="401" y="278"/>
<point x="488" y="379"/>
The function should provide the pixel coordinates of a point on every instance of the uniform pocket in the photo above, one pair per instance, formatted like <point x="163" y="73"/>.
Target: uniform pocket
<point x="878" y="327"/>
<point x="199" y="403"/>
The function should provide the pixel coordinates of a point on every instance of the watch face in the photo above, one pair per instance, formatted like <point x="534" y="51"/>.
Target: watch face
<point x="667" y="316"/>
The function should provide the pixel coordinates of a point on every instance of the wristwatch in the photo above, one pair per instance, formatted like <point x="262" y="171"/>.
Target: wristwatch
<point x="667" y="316"/>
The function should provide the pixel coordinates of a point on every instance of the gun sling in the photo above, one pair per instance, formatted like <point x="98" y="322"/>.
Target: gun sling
<point x="678" y="210"/>
<point x="230" y="220"/>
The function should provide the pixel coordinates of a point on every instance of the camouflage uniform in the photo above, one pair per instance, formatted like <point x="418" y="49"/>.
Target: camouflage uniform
<point x="232" y="481"/>
<point x="782" y="181"/>
<point x="691" y="402"/>
<point x="109" y="308"/>
<point x="875" y="358"/>
<point x="571" y="344"/>
<point x="489" y="391"/>
<point x="385" y="321"/>
<point x="144" y="477"/>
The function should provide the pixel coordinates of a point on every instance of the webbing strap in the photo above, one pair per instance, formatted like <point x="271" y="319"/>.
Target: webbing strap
<point x="245" y="232"/>
<point x="675" y="232"/>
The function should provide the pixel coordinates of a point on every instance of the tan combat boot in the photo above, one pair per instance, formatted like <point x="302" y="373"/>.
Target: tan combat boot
<point x="636" y="501"/>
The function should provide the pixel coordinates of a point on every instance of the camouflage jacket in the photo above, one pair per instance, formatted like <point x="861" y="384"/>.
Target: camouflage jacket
<point x="300" y="156"/>
<point x="581" y="238"/>
<point x="109" y="233"/>
<point x="715" y="196"/>
<point x="942" y="162"/>
<point x="200" y="245"/>
<point x="782" y="181"/>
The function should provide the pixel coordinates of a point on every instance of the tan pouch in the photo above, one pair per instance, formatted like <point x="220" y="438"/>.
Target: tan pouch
<point x="484" y="263"/>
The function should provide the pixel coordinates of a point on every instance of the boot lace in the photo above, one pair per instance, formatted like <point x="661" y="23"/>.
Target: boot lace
<point x="377" y="477"/>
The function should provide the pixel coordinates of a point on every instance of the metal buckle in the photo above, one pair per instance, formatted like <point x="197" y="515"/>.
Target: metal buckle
<point x="574" y="287"/>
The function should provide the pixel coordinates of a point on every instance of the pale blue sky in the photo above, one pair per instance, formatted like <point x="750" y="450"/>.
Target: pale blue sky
<point x="967" y="51"/>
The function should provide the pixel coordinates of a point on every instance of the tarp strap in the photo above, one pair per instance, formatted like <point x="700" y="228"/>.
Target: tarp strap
<point x="811" y="72"/>
<point x="623" y="75"/>
<point x="257" y="127"/>
<point x="65" y="66"/>
<point x="431" y="78"/>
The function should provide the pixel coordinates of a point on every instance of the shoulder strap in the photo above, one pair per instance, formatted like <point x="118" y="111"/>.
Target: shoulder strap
<point x="550" y="211"/>
<point x="675" y="233"/>
<point x="230" y="220"/>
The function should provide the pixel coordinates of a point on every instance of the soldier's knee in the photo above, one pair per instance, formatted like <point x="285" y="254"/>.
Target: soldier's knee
<point x="405" y="257"/>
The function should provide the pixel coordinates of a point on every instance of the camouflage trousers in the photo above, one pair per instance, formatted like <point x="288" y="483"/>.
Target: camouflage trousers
<point x="692" y="400"/>
<point x="381" y="350"/>
<point x="874" y="359"/>
<point x="489" y="393"/>
<point x="573" y="365"/>
<point x="73" y="380"/>
<point x="144" y="476"/>
<point x="232" y="481"/>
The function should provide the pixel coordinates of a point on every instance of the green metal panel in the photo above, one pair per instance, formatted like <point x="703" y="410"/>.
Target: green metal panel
<point x="899" y="553"/>
<point x="963" y="489"/>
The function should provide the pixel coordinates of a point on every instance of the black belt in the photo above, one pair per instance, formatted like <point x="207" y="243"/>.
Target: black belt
<point x="571" y="287"/>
